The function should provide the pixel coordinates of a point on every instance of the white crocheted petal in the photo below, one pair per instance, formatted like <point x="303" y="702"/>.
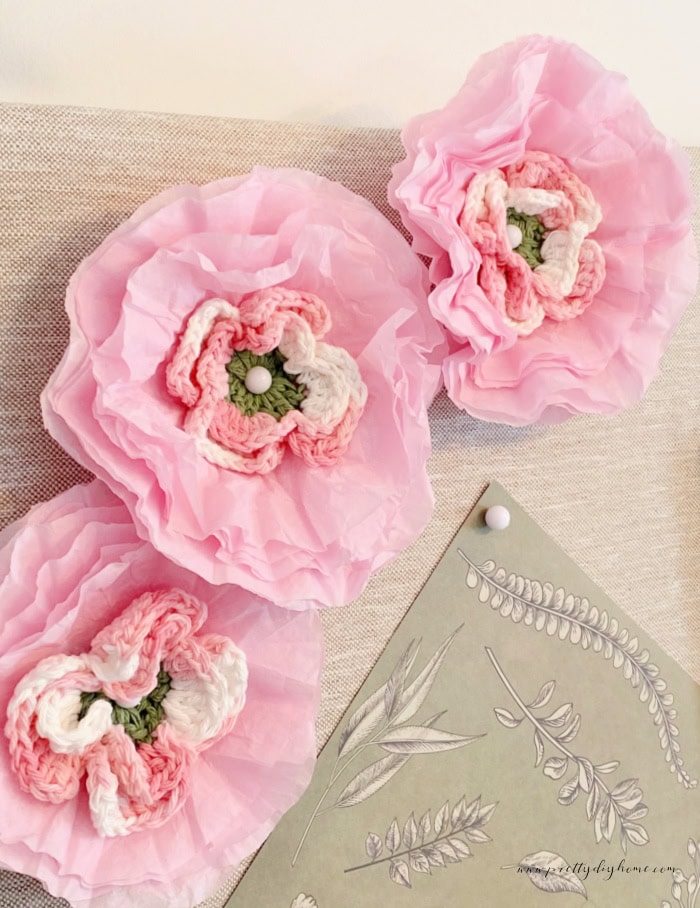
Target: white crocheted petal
<point x="105" y="808"/>
<point x="560" y="254"/>
<point x="57" y="721"/>
<point x="528" y="200"/>
<point x="591" y="215"/>
<point x="202" y="321"/>
<point x="528" y="326"/>
<point x="57" y="710"/>
<point x="115" y="667"/>
<point x="266" y="459"/>
<point x="37" y="680"/>
<point x="331" y="381"/>
<point x="197" y="706"/>
<point x="297" y="345"/>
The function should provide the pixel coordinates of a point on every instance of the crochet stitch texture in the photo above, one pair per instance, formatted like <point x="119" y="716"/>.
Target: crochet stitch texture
<point x="236" y="433"/>
<point x="65" y="719"/>
<point x="555" y="270"/>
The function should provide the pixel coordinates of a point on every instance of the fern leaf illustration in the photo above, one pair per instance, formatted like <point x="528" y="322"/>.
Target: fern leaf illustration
<point x="573" y="618"/>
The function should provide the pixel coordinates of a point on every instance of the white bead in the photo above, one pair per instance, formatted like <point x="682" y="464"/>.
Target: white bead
<point x="258" y="380"/>
<point x="497" y="517"/>
<point x="515" y="235"/>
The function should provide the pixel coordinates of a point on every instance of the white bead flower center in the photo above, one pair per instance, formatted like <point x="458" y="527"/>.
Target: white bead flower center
<point x="258" y="380"/>
<point x="515" y="235"/>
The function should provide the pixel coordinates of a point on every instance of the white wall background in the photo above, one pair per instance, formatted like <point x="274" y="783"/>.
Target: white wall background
<point x="355" y="62"/>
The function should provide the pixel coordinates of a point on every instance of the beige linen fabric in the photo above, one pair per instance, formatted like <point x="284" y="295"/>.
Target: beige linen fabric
<point x="621" y="495"/>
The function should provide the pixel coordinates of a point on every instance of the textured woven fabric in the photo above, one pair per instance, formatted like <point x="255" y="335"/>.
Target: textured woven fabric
<point x="621" y="495"/>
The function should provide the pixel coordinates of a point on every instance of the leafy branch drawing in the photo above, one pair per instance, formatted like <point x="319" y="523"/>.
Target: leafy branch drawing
<point x="692" y="883"/>
<point x="548" y="871"/>
<point x="604" y="806"/>
<point x="553" y="610"/>
<point x="424" y="845"/>
<point x="381" y="721"/>
<point x="304" y="901"/>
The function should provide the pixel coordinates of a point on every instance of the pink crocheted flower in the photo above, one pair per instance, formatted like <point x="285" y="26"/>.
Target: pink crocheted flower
<point x="270" y="320"/>
<point x="131" y="714"/>
<point x="557" y="222"/>
<point x="123" y="682"/>
<point x="294" y="392"/>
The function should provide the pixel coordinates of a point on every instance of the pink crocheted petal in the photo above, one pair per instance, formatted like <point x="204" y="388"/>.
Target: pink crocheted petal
<point x="542" y="170"/>
<point x="561" y="217"/>
<point x="247" y="434"/>
<point x="589" y="280"/>
<point x="323" y="449"/>
<point x="210" y="371"/>
<point x="264" y="338"/>
<point x="508" y="284"/>
<point x="118" y="751"/>
<point x="167" y="763"/>
<point x="484" y="221"/>
<point x="259" y="308"/>
<point x="135" y="642"/>
<point x="492" y="281"/>
<point x="180" y="374"/>
<point x="41" y="772"/>
<point x="263" y="461"/>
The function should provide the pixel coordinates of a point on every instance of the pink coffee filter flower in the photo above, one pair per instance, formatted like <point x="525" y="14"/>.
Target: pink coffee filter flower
<point x="249" y="368"/>
<point x="556" y="219"/>
<point x="157" y="726"/>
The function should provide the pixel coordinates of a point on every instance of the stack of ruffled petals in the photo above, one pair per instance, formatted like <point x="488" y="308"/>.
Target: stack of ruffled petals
<point x="248" y="375"/>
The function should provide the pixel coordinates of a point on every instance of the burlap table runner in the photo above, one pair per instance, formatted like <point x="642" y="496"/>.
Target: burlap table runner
<point x="621" y="495"/>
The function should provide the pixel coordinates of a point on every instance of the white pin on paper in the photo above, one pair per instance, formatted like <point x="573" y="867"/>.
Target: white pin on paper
<point x="497" y="517"/>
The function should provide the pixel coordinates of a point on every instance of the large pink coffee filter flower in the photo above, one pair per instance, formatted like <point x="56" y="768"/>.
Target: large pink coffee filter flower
<point x="157" y="726"/>
<point x="249" y="368"/>
<point x="556" y="220"/>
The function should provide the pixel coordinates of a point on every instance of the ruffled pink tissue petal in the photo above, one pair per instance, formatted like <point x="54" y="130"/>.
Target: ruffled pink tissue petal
<point x="339" y="486"/>
<point x="529" y="345"/>
<point x="205" y="793"/>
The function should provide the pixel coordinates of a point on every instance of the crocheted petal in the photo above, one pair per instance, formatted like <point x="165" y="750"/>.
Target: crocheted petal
<point x="325" y="449"/>
<point x="179" y="371"/>
<point x="589" y="280"/>
<point x="532" y="201"/>
<point x="150" y="626"/>
<point x="332" y="381"/>
<point x="243" y="434"/>
<point x="560" y="252"/>
<point x="57" y="721"/>
<point x="208" y="683"/>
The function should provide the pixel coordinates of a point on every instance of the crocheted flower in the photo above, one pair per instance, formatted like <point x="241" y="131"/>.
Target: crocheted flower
<point x="131" y="714"/>
<point x="556" y="219"/>
<point x="181" y="320"/>
<point x="530" y="223"/>
<point x="257" y="382"/>
<point x="124" y="695"/>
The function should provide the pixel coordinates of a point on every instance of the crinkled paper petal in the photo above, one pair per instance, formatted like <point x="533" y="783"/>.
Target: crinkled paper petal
<point x="68" y="568"/>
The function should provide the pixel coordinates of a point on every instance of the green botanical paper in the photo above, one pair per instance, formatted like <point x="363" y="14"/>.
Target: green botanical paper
<point x="520" y="742"/>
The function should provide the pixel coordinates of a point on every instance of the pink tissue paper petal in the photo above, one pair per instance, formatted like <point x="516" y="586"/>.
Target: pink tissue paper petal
<point x="298" y="536"/>
<point x="540" y="94"/>
<point x="67" y="569"/>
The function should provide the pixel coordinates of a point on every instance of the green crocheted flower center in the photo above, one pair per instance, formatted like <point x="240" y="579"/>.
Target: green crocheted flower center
<point x="284" y="393"/>
<point x="139" y="721"/>
<point x="533" y="231"/>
